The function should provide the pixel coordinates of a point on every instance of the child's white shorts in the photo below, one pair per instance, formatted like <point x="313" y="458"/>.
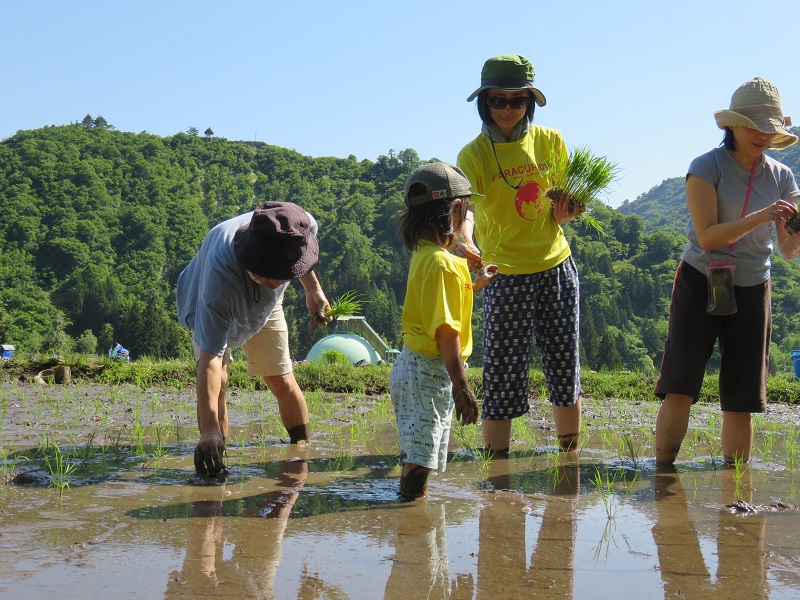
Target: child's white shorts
<point x="422" y="396"/>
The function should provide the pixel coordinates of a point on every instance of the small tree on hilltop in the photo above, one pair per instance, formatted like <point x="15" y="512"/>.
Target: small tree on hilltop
<point x="209" y="132"/>
<point x="101" y="122"/>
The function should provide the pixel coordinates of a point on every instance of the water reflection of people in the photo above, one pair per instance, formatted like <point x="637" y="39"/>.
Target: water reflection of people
<point x="502" y="566"/>
<point x="741" y="562"/>
<point x="241" y="555"/>
<point x="420" y="554"/>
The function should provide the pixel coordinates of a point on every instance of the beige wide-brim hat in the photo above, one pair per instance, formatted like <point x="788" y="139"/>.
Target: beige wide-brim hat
<point x="757" y="104"/>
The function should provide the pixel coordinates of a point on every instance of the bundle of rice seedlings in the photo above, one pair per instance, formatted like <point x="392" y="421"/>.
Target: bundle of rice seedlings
<point x="346" y="305"/>
<point x="581" y="177"/>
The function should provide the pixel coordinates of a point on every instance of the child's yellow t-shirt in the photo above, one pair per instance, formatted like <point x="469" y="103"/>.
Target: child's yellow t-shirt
<point x="438" y="292"/>
<point x="515" y="228"/>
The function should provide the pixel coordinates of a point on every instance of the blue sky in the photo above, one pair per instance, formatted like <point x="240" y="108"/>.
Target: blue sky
<point x="635" y="81"/>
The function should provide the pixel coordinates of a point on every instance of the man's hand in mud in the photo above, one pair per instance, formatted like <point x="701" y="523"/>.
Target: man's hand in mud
<point x="466" y="406"/>
<point x="484" y="277"/>
<point x="471" y="253"/>
<point x="208" y="454"/>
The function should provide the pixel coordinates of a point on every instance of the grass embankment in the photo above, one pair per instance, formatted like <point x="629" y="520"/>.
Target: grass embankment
<point x="371" y="379"/>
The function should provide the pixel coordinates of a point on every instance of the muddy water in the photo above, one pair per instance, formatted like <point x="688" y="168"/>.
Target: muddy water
<point x="324" y="520"/>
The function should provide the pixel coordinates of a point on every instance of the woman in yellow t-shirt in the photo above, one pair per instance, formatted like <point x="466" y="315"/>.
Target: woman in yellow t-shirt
<point x="428" y="379"/>
<point x="534" y="297"/>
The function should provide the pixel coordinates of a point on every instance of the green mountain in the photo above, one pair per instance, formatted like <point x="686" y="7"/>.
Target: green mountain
<point x="665" y="204"/>
<point x="97" y="224"/>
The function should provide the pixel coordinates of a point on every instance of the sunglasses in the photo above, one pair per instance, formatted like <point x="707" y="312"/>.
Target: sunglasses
<point x="500" y="102"/>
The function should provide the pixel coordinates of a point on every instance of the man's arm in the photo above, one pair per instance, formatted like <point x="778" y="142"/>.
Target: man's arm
<point x="316" y="301"/>
<point x="211" y="446"/>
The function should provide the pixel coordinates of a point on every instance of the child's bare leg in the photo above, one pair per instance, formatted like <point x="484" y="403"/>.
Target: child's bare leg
<point x="414" y="481"/>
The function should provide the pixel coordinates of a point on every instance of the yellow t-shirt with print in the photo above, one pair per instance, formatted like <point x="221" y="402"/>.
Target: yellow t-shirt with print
<point x="514" y="228"/>
<point x="438" y="292"/>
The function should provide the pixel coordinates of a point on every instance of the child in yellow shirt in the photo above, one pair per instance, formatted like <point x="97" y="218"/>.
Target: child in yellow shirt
<point x="428" y="379"/>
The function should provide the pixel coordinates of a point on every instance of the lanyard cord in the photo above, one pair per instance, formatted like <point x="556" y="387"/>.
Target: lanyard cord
<point x="744" y="210"/>
<point x="497" y="160"/>
<point x="746" y="199"/>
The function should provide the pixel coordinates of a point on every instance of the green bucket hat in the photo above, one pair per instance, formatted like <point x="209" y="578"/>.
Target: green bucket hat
<point x="508" y="72"/>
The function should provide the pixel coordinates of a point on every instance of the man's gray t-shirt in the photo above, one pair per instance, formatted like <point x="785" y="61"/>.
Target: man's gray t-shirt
<point x="217" y="299"/>
<point x="772" y="181"/>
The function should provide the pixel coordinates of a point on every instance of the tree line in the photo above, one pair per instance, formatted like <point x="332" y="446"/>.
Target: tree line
<point x="97" y="224"/>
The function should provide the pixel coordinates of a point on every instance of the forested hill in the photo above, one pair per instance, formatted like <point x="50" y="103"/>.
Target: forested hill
<point x="97" y="224"/>
<point x="665" y="204"/>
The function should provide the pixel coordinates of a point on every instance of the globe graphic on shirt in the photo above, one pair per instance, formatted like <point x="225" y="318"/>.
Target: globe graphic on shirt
<point x="527" y="201"/>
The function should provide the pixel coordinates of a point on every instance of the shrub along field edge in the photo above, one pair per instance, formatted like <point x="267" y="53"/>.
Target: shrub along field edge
<point x="342" y="378"/>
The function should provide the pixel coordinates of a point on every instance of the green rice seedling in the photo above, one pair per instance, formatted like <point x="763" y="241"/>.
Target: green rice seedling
<point x="86" y="451"/>
<point x="115" y="443"/>
<point x="176" y="428"/>
<point x="241" y="449"/>
<point x="160" y="430"/>
<point x="714" y="447"/>
<point x="740" y="467"/>
<point x="138" y="437"/>
<point x="791" y="447"/>
<point x="604" y="485"/>
<point x="713" y="422"/>
<point x="628" y="443"/>
<point x="59" y="468"/>
<point x="522" y="430"/>
<point x="383" y="411"/>
<point x="581" y="177"/>
<point x="766" y="443"/>
<point x="314" y="400"/>
<point x="606" y="437"/>
<point x="468" y="437"/>
<point x="691" y="443"/>
<point x="391" y="459"/>
<point x="8" y="465"/>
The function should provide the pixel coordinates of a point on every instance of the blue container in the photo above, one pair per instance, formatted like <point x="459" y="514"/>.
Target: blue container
<point x="796" y="361"/>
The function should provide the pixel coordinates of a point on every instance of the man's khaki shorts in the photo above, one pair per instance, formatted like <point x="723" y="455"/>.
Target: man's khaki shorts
<point x="267" y="351"/>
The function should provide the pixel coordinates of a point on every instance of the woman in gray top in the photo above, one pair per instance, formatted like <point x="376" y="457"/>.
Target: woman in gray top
<point x="722" y="289"/>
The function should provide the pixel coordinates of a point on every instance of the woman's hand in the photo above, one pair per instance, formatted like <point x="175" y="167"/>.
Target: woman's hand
<point x="561" y="212"/>
<point x="779" y="211"/>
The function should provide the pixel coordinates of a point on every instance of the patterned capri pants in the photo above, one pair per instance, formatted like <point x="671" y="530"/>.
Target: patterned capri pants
<point x="519" y="310"/>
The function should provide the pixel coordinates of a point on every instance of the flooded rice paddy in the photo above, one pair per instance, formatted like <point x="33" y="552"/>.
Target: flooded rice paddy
<point x="99" y="501"/>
